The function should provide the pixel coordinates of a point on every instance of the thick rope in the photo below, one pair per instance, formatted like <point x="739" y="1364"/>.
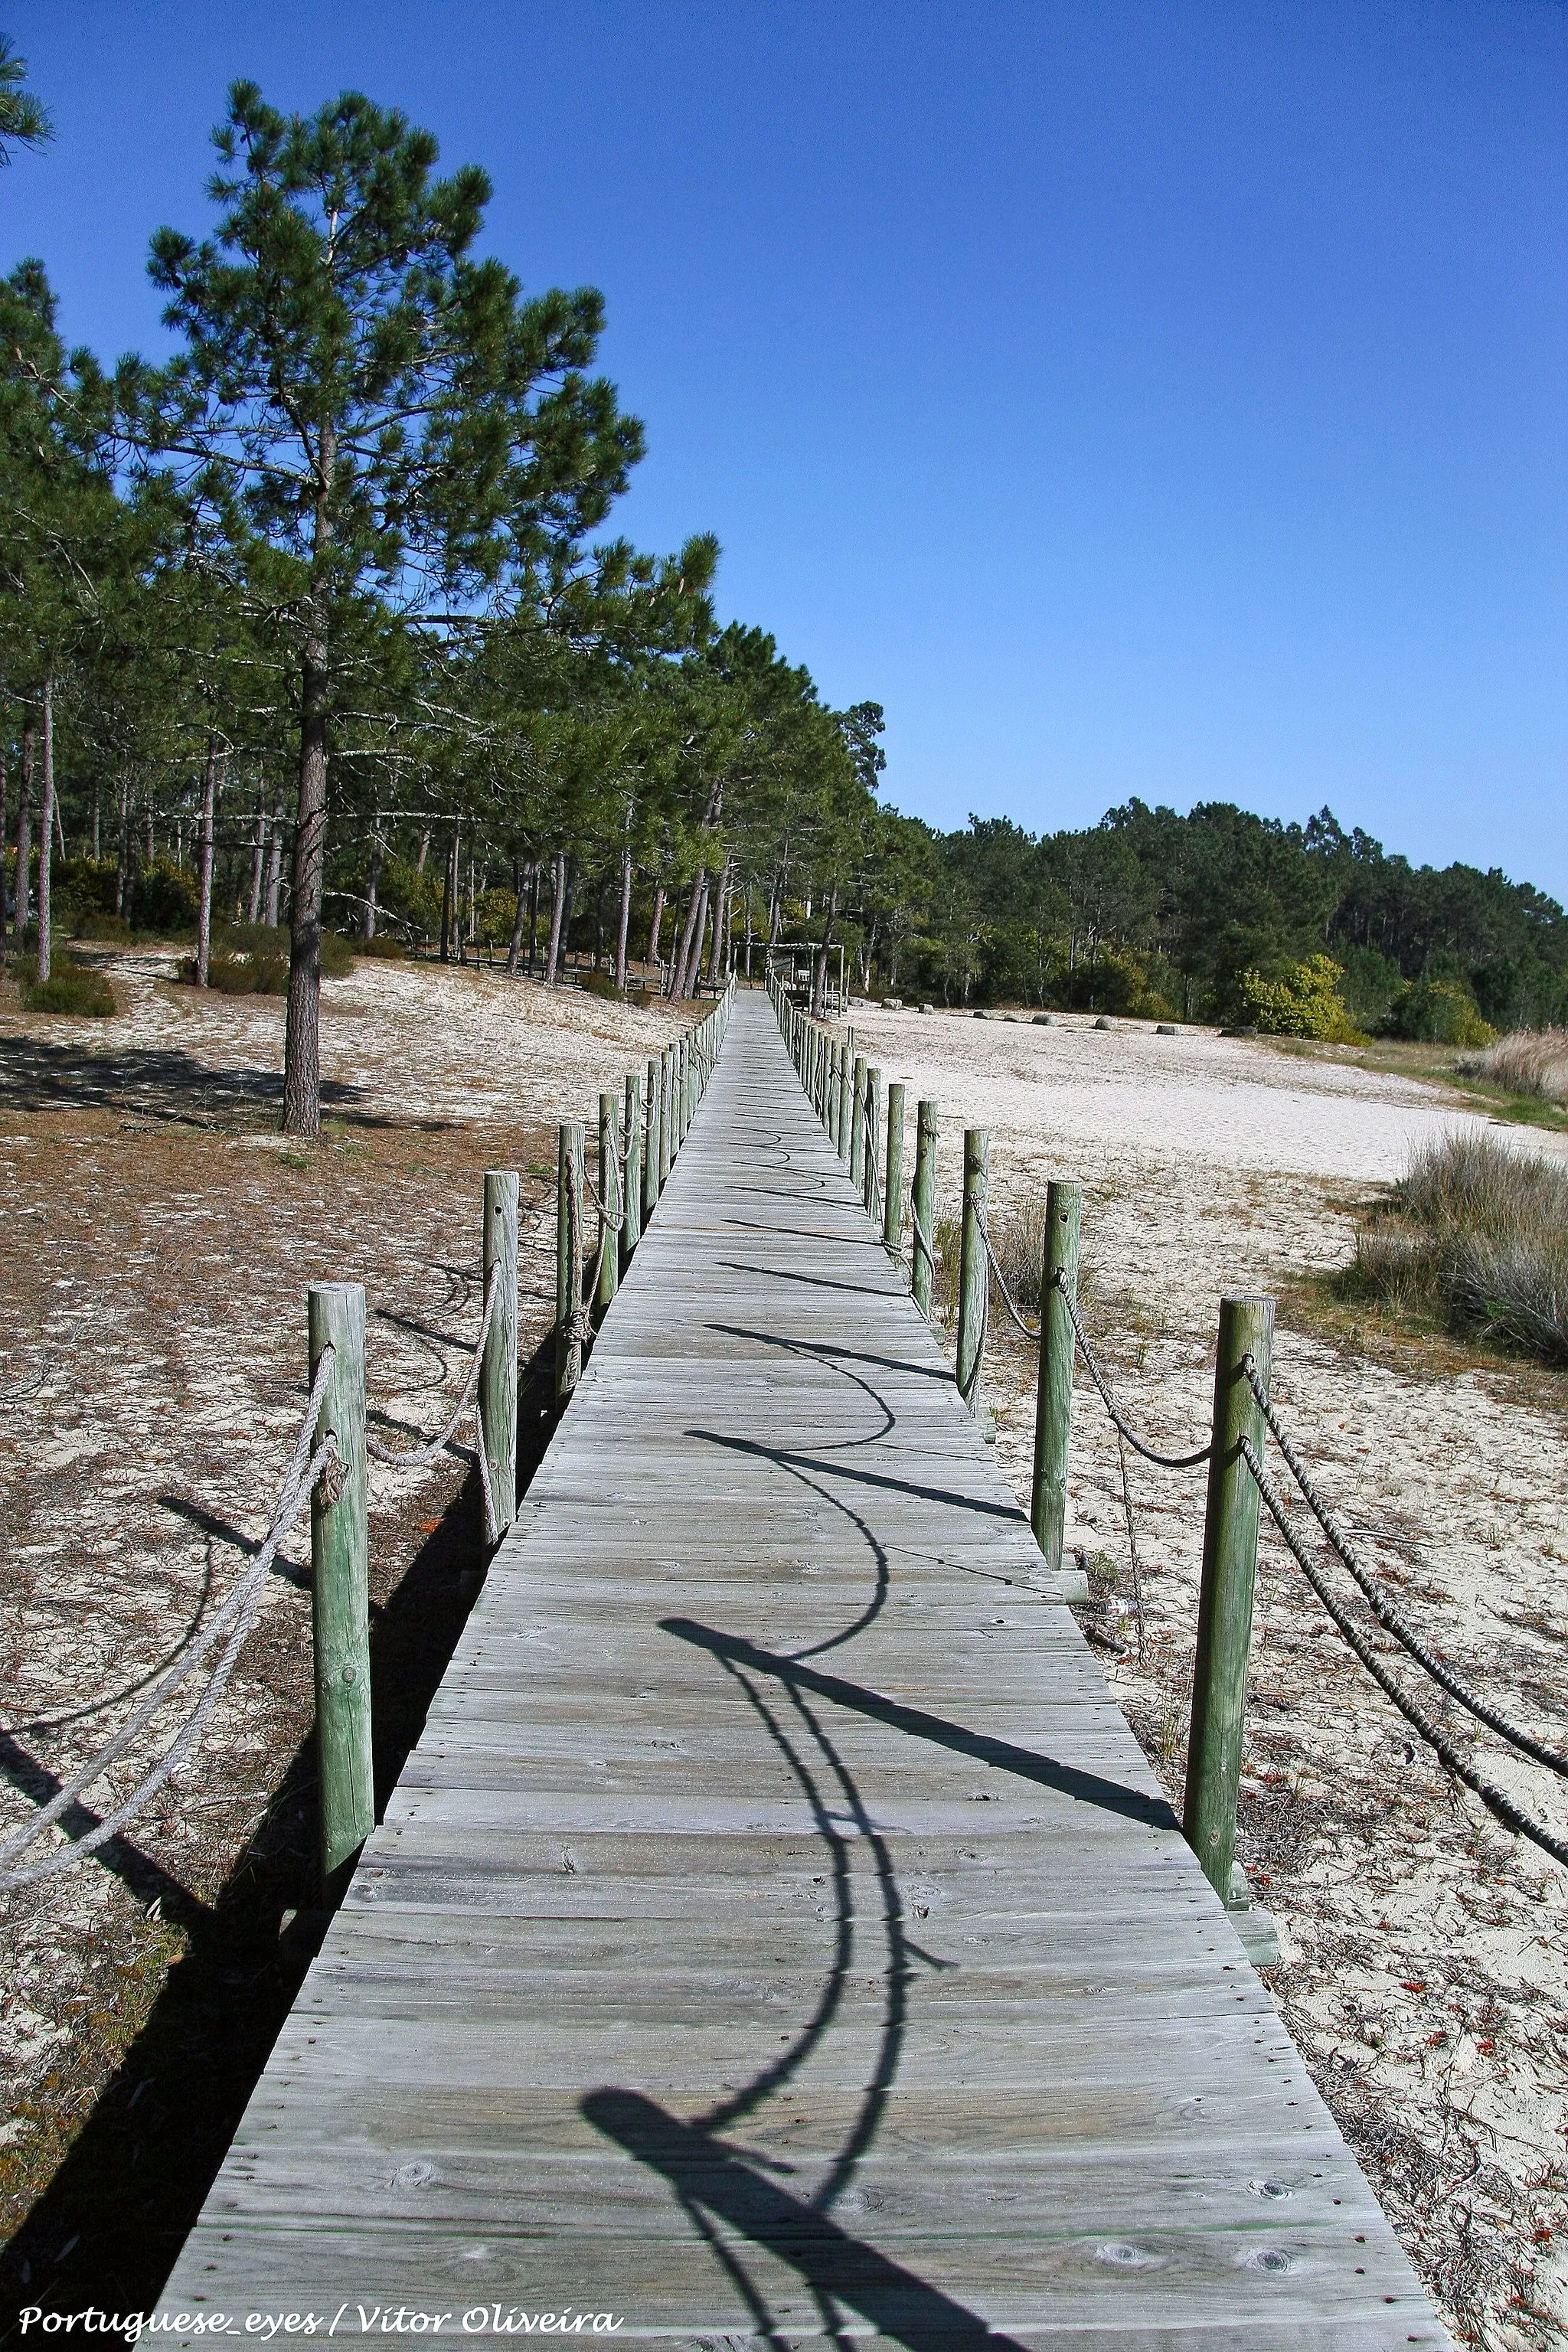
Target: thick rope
<point x="1030" y="1331"/>
<point x="236" y="1618"/>
<point x="1506" y="1810"/>
<point x="1163" y="1461"/>
<point x="1383" y="1610"/>
<point x="419" y="1457"/>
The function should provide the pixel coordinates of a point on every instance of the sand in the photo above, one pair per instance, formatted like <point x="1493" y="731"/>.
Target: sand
<point x="161" y="1236"/>
<point x="1423" y="1974"/>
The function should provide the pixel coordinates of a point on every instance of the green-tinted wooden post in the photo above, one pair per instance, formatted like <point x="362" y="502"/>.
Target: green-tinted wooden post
<point x="857" y="1120"/>
<point x="870" y="1168"/>
<point x="1053" y="1393"/>
<point x="568" y="1261"/>
<point x="340" y="1586"/>
<point x="610" y="1194"/>
<point x="1224" y="1593"/>
<point x="650" y="1145"/>
<point x="497" y="1367"/>
<point x="974" y="1275"/>
<point x="922" y="1206"/>
<point x="631" y="1232"/>
<point x="666" y="1114"/>
<point x="893" y="1193"/>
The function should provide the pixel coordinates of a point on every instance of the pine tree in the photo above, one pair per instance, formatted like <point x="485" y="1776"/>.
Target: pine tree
<point x="386" y="418"/>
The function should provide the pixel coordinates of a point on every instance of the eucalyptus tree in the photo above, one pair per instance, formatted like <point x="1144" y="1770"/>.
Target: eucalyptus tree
<point x="388" y="415"/>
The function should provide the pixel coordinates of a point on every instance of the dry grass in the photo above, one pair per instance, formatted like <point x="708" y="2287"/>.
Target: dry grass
<point x="1480" y="1233"/>
<point x="1017" y="1242"/>
<point x="1527" y="1062"/>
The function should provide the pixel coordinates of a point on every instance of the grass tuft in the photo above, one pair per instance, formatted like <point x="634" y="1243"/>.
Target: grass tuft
<point x="75" y="990"/>
<point x="1527" y="1062"/>
<point x="1477" y="1234"/>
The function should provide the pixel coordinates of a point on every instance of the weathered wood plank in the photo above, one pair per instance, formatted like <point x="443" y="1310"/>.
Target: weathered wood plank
<point x="777" y="1935"/>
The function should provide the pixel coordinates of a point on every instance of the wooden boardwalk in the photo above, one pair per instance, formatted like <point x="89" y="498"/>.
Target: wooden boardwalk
<point x="777" y="1933"/>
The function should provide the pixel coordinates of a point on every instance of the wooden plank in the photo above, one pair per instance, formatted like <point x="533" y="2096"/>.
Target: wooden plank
<point x="776" y="1934"/>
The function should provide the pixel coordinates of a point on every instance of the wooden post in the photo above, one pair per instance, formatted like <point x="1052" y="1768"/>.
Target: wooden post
<point x="857" y="1121"/>
<point x="1053" y="1393"/>
<point x="923" y="1206"/>
<point x="869" y="1168"/>
<point x="843" y="1095"/>
<point x="568" y="1261"/>
<point x="340" y="1586"/>
<point x="666" y="1115"/>
<point x="1224" y="1593"/>
<point x="974" y="1275"/>
<point x="651" y="1146"/>
<point x="893" y="1192"/>
<point x="610" y="1190"/>
<point x="498" y="1368"/>
<point x="631" y="1232"/>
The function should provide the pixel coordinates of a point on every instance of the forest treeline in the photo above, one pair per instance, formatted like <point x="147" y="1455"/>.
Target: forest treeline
<point x="319" y="625"/>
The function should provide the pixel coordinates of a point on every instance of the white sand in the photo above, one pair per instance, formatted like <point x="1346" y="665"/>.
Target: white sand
<point x="1426" y="1947"/>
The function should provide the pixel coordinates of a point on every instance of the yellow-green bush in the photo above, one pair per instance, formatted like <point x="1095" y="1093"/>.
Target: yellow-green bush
<point x="1441" y="1012"/>
<point x="1303" y="1001"/>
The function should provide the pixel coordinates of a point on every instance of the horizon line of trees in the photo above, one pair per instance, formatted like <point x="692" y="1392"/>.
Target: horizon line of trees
<point x="312" y="625"/>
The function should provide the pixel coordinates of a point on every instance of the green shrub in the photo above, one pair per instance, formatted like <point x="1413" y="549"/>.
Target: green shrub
<point x="1440" y="1013"/>
<point x="1303" y="1001"/>
<point x="163" y="899"/>
<point x="247" y="975"/>
<point x="385" y="943"/>
<point x="599" y="983"/>
<point x="75" y="990"/>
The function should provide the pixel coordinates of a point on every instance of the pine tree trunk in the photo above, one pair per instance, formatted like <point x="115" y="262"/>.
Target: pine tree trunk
<point x="695" y="911"/>
<point x="122" y="845"/>
<point x="373" y="873"/>
<point x="819" y="974"/>
<point x="47" y="829"/>
<point x="302" y="1025"/>
<point x="275" y="857"/>
<point x="557" y="908"/>
<point x="748" y="931"/>
<point x="25" y="835"/>
<point x="449" y="888"/>
<point x="514" y="952"/>
<point x="624" y="924"/>
<point x="566" y="914"/>
<point x="5" y="782"/>
<point x="423" y="851"/>
<point x="721" y="908"/>
<point x="205" y="880"/>
<point x="655" y="925"/>
<point x="532" y="915"/>
<point x="96" y="800"/>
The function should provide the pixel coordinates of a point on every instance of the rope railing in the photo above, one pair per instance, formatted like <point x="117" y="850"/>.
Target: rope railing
<point x="1511" y="1816"/>
<point x="1122" y="1426"/>
<point x="419" y="1457"/>
<point x="827" y="1066"/>
<point x="1383" y="1609"/>
<point x="333" y="1470"/>
<point x="307" y="1467"/>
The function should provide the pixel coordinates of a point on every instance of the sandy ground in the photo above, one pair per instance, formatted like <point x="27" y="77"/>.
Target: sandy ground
<point x="160" y="1236"/>
<point x="1423" y="1972"/>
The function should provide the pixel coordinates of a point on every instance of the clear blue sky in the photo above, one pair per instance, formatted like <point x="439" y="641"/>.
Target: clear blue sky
<point x="1155" y="396"/>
